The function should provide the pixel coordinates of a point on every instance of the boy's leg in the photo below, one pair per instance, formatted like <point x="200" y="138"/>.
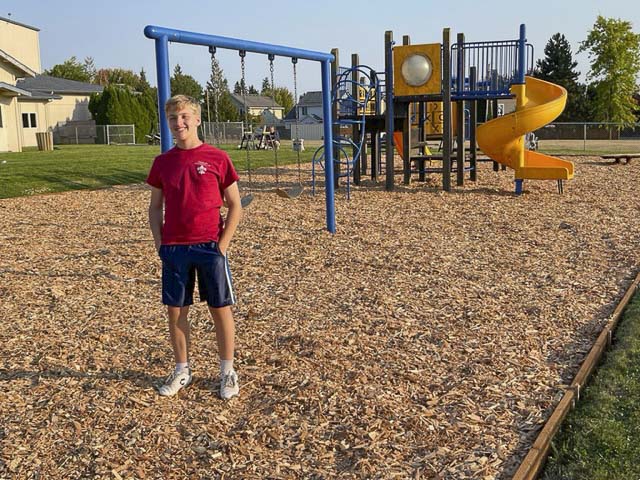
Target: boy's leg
<point x="225" y="336"/>
<point x="179" y="331"/>
<point x="225" y="331"/>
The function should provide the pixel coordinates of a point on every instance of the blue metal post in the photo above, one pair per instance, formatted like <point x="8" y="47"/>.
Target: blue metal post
<point x="164" y="89"/>
<point x="519" y="186"/>
<point x="328" y="146"/>
<point x="522" y="62"/>
<point x="522" y="54"/>
<point x="389" y="114"/>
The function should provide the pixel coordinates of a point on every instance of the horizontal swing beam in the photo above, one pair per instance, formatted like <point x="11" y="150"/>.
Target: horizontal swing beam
<point x="180" y="36"/>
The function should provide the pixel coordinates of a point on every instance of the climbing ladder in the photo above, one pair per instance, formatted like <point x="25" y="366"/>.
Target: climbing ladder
<point x="351" y="111"/>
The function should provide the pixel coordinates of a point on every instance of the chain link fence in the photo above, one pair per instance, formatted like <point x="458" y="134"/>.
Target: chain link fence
<point x="87" y="132"/>
<point x="592" y="137"/>
<point x="588" y="131"/>
<point x="116" y="134"/>
<point x="221" y="132"/>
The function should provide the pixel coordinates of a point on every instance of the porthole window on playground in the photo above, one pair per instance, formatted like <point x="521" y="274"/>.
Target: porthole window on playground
<point x="416" y="70"/>
<point x="29" y="120"/>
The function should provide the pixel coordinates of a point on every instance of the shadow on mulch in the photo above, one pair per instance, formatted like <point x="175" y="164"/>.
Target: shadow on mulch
<point x="603" y="163"/>
<point x="138" y="378"/>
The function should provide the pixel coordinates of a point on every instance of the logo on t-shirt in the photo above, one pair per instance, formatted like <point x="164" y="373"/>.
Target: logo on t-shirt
<point x="201" y="167"/>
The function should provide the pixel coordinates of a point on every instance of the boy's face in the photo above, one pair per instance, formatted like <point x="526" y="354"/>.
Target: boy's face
<point x="184" y="124"/>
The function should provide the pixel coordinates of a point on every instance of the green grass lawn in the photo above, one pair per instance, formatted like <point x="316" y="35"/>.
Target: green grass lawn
<point x="600" y="439"/>
<point x="590" y="147"/>
<point x="74" y="167"/>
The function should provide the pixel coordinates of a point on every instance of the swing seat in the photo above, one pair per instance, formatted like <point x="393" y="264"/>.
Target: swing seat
<point x="292" y="192"/>
<point x="246" y="200"/>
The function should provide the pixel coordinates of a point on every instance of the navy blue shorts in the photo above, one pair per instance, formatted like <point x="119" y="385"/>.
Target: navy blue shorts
<point x="180" y="263"/>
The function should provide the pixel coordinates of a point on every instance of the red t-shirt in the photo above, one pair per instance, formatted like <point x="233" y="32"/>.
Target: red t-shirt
<point x="192" y="182"/>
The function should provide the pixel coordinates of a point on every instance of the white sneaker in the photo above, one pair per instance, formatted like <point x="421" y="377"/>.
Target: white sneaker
<point x="175" y="382"/>
<point x="229" y="385"/>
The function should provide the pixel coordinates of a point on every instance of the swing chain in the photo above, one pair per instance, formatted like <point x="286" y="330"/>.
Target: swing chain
<point x="294" y="60"/>
<point x="272" y="138"/>
<point x="243" y="87"/>
<point x="215" y="91"/>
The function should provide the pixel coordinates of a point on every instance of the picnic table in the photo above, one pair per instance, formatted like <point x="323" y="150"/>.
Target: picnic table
<point x="618" y="157"/>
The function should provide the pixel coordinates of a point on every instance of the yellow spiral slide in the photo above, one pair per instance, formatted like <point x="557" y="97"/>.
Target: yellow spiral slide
<point x="537" y="104"/>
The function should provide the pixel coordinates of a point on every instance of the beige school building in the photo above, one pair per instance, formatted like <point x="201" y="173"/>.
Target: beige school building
<point x="31" y="102"/>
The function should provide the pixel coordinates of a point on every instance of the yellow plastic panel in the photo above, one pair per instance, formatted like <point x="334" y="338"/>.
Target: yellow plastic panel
<point x="435" y="118"/>
<point x="433" y="85"/>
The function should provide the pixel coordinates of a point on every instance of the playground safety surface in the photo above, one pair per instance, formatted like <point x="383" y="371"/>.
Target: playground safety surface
<point x="431" y="337"/>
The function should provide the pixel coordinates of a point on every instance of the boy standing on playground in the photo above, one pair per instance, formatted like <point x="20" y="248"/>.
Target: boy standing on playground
<point x="191" y="181"/>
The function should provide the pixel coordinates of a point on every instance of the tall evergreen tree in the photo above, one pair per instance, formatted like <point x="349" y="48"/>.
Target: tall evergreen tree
<point x="90" y="68"/>
<point x="266" y="87"/>
<point x="559" y="67"/>
<point x="121" y="106"/>
<point x="614" y="51"/>
<point x="184" y="84"/>
<point x="240" y="85"/>
<point x="217" y="96"/>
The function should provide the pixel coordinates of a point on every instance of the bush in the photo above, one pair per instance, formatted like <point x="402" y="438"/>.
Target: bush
<point x="118" y="105"/>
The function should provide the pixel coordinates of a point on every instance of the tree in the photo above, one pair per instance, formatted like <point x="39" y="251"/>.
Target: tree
<point x="559" y="67"/>
<point x="144" y="83"/>
<point x="121" y="76"/>
<point x="117" y="105"/>
<point x="266" y="87"/>
<point x="284" y="98"/>
<point x="184" y="84"/>
<point x="281" y="95"/>
<point x="217" y="95"/>
<point x="614" y="51"/>
<point x="90" y="68"/>
<point x="72" y="69"/>
<point x="240" y="86"/>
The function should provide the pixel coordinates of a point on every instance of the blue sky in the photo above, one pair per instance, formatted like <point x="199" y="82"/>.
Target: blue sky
<point x="112" y="31"/>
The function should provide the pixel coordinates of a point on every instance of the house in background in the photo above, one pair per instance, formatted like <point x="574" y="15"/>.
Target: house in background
<point x="309" y="109"/>
<point x="30" y="102"/>
<point x="53" y="101"/>
<point x="259" y="106"/>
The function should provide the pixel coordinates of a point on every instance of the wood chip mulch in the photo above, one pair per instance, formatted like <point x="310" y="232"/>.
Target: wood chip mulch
<point x="431" y="337"/>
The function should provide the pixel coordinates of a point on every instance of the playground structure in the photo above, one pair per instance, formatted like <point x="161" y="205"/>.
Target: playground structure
<point x="428" y="82"/>
<point x="426" y="85"/>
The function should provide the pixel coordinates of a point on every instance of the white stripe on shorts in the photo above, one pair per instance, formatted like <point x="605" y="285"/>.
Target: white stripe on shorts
<point x="227" y="273"/>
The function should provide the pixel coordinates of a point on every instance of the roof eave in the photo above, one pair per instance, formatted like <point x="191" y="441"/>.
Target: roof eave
<point x="17" y="91"/>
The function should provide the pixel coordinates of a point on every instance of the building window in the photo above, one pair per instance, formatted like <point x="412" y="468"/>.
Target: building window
<point x="29" y="120"/>
<point x="1" y="124"/>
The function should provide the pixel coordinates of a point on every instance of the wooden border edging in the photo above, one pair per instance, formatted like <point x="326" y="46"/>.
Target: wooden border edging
<point x="532" y="463"/>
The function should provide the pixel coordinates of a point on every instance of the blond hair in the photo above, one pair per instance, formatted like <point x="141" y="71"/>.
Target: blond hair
<point x="178" y="102"/>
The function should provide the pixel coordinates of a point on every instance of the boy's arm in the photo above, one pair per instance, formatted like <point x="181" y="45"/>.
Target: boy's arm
<point x="155" y="215"/>
<point x="232" y="199"/>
